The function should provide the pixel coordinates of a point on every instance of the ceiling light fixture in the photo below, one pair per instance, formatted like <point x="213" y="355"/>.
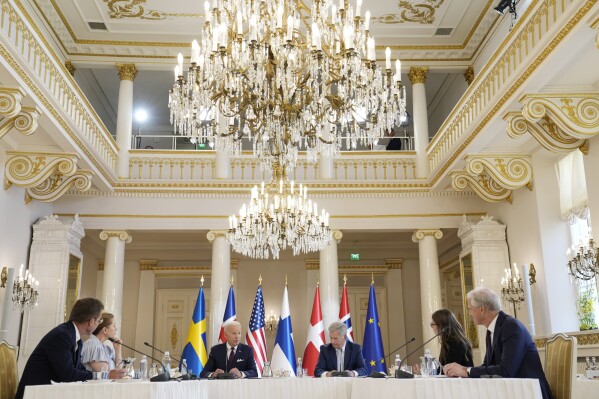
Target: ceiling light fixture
<point x="286" y="78"/>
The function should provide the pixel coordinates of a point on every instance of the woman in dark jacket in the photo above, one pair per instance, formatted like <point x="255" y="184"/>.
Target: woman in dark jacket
<point x="455" y="347"/>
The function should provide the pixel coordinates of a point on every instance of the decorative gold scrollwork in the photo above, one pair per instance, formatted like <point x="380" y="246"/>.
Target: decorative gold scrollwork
<point x="510" y="172"/>
<point x="118" y="9"/>
<point x="545" y="131"/>
<point x="577" y="114"/>
<point x="45" y="176"/>
<point x="422" y="13"/>
<point x="486" y="188"/>
<point x="10" y="102"/>
<point x="25" y="122"/>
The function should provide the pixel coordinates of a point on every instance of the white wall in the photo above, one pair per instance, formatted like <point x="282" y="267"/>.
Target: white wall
<point x="446" y="98"/>
<point x="16" y="219"/>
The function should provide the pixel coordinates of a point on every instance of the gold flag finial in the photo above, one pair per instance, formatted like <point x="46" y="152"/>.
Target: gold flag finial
<point x="344" y="279"/>
<point x="232" y="279"/>
<point x="260" y="280"/>
<point x="317" y="283"/>
<point x="372" y="278"/>
<point x="202" y="280"/>
<point x="285" y="280"/>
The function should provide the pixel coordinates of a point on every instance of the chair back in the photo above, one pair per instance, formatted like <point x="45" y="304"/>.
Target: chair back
<point x="8" y="371"/>
<point x="560" y="365"/>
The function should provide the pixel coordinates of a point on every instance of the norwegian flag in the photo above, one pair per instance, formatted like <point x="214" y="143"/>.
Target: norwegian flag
<point x="315" y="336"/>
<point x="230" y="315"/>
<point x="255" y="336"/>
<point x="344" y="316"/>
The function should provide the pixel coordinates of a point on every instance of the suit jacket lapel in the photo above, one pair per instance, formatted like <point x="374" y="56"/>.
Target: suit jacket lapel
<point x="347" y="355"/>
<point x="497" y="334"/>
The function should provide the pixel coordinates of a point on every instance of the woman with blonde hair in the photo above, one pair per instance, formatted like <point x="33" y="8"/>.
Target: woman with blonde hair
<point x="96" y="355"/>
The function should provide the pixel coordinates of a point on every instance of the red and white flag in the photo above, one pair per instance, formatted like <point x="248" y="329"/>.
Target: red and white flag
<point x="344" y="316"/>
<point x="315" y="336"/>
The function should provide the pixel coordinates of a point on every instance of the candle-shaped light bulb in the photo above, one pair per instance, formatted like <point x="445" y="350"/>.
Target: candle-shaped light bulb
<point x="358" y="7"/>
<point x="370" y="49"/>
<point x="239" y="23"/>
<point x="292" y="184"/>
<point x="230" y="222"/>
<point x="341" y="4"/>
<point x="333" y="13"/>
<point x="387" y="58"/>
<point x="397" y="70"/>
<point x="180" y="61"/>
<point x="367" y="20"/>
<point x="316" y="36"/>
<point x="195" y="51"/>
<point x="253" y="28"/>
<point x="207" y="14"/>
<point x="289" y="28"/>
<point x="280" y="11"/>
<point x="262" y="188"/>
<point x="281" y="186"/>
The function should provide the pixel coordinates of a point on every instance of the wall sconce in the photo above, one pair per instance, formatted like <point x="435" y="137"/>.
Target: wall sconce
<point x="24" y="291"/>
<point x="3" y="277"/>
<point x="271" y="323"/>
<point x="532" y="274"/>
<point x="512" y="290"/>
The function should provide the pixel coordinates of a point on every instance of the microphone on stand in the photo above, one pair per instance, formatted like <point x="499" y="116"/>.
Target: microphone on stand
<point x="164" y="376"/>
<point x="184" y="376"/>
<point x="404" y="374"/>
<point x="378" y="374"/>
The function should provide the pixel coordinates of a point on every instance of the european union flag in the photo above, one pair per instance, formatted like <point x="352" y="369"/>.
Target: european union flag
<point x="373" y="341"/>
<point x="195" y="346"/>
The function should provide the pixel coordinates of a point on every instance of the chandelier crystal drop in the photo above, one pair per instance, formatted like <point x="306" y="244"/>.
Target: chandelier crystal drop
<point x="279" y="215"/>
<point x="24" y="291"/>
<point x="286" y="78"/>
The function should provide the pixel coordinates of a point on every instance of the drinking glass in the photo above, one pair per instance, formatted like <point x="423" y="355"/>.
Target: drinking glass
<point x="153" y="371"/>
<point x="305" y="372"/>
<point x="266" y="371"/>
<point x="104" y="371"/>
<point x="407" y="369"/>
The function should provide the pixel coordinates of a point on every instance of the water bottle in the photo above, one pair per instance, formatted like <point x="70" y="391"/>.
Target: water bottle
<point x="298" y="370"/>
<point x="397" y="362"/>
<point x="166" y="363"/>
<point x="184" y="370"/>
<point x="266" y="371"/>
<point x="143" y="368"/>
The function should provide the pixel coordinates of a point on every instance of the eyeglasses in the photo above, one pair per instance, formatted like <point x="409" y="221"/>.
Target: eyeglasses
<point x="100" y="320"/>
<point x="433" y="324"/>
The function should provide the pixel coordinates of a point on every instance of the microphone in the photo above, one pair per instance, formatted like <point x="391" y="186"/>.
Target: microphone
<point x="153" y="347"/>
<point x="395" y="350"/>
<point x="404" y="374"/>
<point x="164" y="376"/>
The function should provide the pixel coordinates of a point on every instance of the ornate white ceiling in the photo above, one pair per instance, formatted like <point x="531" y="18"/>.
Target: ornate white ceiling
<point x="158" y="29"/>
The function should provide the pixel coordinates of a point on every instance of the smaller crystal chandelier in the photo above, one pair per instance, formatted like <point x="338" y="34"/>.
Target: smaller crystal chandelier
<point x="512" y="290"/>
<point x="24" y="291"/>
<point x="584" y="265"/>
<point x="279" y="215"/>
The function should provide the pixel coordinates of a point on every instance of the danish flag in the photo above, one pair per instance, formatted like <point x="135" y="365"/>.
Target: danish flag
<point x="315" y="336"/>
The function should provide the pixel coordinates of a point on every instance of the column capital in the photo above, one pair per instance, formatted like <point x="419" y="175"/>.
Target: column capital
<point x="213" y="234"/>
<point x="122" y="235"/>
<point x="127" y="71"/>
<point x="337" y="235"/>
<point x="418" y="74"/>
<point x="70" y="67"/>
<point x="420" y="234"/>
<point x="147" y="264"/>
<point x="101" y="266"/>
<point x="394" y="263"/>
<point x="469" y="75"/>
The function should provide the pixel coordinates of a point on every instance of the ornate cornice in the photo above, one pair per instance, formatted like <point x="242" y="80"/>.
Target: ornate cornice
<point x="420" y="234"/>
<point x="70" y="67"/>
<point x="394" y="263"/>
<point x="147" y="264"/>
<point x="101" y="266"/>
<point x="127" y="71"/>
<point x="46" y="176"/>
<point x="469" y="75"/>
<point x="312" y="264"/>
<point x="494" y="177"/>
<point x="576" y="114"/>
<point x="122" y="235"/>
<point x="418" y="74"/>
<point x="545" y="132"/>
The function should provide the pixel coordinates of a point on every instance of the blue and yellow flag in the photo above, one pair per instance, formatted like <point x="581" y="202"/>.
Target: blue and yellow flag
<point x="373" y="341"/>
<point x="195" y="345"/>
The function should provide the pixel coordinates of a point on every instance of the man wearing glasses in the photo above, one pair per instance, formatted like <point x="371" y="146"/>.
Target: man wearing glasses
<point x="57" y="357"/>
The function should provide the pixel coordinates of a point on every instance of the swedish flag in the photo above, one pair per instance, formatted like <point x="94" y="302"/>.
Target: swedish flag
<point x="195" y="345"/>
<point x="373" y="341"/>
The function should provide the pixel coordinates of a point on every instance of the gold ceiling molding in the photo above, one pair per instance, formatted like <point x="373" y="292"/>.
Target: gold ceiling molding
<point x="46" y="176"/>
<point x="469" y="75"/>
<point x="576" y="114"/>
<point x="420" y="234"/>
<point x="147" y="264"/>
<point x="545" y="132"/>
<point x="119" y="9"/>
<point x="312" y="264"/>
<point x="70" y="67"/>
<point x="421" y="13"/>
<point x="122" y="235"/>
<point x="394" y="264"/>
<point x="459" y="126"/>
<point x="494" y="177"/>
<point x="418" y="74"/>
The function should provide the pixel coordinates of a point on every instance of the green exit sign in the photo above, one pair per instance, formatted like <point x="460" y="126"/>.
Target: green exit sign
<point x="354" y="256"/>
<point x="201" y="146"/>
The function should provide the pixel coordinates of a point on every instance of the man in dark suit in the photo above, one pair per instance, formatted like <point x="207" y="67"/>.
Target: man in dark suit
<point x="231" y="357"/>
<point x="340" y="354"/>
<point x="57" y="357"/>
<point x="511" y="353"/>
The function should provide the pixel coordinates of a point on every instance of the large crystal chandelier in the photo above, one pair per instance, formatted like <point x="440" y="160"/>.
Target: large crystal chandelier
<point x="279" y="215"/>
<point x="286" y="77"/>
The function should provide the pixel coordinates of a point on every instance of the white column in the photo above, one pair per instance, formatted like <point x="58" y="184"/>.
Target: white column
<point x="420" y="116"/>
<point x="219" y="283"/>
<point x="329" y="282"/>
<point x="114" y="271"/>
<point x="430" y="282"/>
<point x="124" y="118"/>
<point x="144" y="330"/>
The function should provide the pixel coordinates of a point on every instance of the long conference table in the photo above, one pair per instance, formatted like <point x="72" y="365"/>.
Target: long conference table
<point x="292" y="388"/>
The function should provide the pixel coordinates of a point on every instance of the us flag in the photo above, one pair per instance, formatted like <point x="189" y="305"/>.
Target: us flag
<point x="255" y="336"/>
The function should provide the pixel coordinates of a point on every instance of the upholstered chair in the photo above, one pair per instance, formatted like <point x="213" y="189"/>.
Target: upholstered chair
<point x="560" y="365"/>
<point x="8" y="371"/>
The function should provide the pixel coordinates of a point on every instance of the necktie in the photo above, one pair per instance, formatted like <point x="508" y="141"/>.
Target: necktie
<point x="77" y="353"/>
<point x="339" y="360"/>
<point x="231" y="358"/>
<point x="489" y="354"/>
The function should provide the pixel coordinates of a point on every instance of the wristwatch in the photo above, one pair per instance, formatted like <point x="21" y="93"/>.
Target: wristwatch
<point x="468" y="370"/>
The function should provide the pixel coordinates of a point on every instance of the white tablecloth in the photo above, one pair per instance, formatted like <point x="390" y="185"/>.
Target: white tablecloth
<point x="585" y="389"/>
<point x="295" y="388"/>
